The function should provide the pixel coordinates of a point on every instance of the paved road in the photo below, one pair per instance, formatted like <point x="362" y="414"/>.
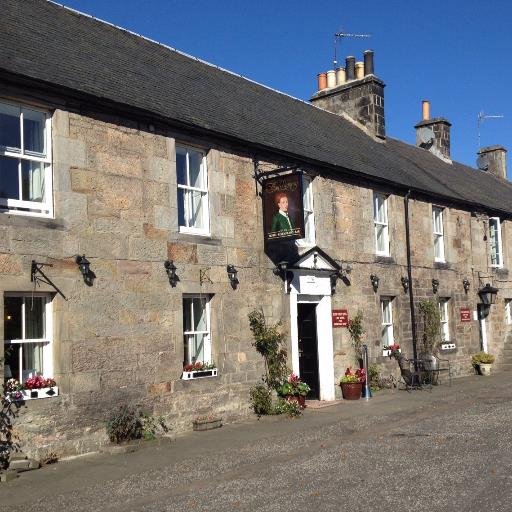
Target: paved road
<point x="445" y="450"/>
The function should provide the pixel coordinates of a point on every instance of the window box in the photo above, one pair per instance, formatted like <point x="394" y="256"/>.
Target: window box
<point x="35" y="394"/>
<point x="199" y="374"/>
<point x="387" y="353"/>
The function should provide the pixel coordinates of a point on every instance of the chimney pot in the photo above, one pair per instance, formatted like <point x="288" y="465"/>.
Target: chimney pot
<point x="350" y="68"/>
<point x="368" y="62"/>
<point x="340" y="76"/>
<point x="331" y="79"/>
<point x="359" y="70"/>
<point x="322" y="81"/>
<point x="425" y="110"/>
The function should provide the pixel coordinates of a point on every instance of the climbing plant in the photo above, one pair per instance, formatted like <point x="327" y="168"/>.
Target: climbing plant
<point x="356" y="331"/>
<point x="270" y="343"/>
<point x="431" y="325"/>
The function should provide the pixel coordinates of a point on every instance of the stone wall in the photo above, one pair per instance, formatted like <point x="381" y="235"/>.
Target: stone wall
<point x="120" y="341"/>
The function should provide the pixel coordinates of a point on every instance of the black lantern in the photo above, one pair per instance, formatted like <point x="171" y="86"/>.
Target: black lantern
<point x="435" y="285"/>
<point x="488" y="294"/>
<point x="375" y="282"/>
<point x="232" y="275"/>
<point x="170" y="268"/>
<point x="84" y="266"/>
<point x="280" y="268"/>
<point x="405" y="283"/>
<point x="465" y="284"/>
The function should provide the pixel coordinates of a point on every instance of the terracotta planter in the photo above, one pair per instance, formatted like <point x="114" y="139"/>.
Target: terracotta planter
<point x="351" y="390"/>
<point x="300" y="399"/>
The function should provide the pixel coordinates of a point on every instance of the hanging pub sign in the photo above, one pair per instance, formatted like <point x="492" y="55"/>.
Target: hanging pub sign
<point x="283" y="211"/>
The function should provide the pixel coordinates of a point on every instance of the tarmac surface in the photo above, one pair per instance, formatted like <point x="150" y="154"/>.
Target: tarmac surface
<point x="448" y="449"/>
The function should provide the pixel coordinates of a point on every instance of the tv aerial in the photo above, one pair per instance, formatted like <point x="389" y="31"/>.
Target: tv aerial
<point x="482" y="116"/>
<point x="338" y="36"/>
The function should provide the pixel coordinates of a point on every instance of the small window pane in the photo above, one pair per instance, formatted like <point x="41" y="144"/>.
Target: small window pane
<point x="33" y="131"/>
<point x="181" y="166"/>
<point x="32" y="181"/>
<point x="12" y="361"/>
<point x="200" y="315"/>
<point x="181" y="207"/>
<point x="187" y="315"/>
<point x="12" y="318"/>
<point x="197" y="210"/>
<point x="32" y="359"/>
<point x="34" y="317"/>
<point x="10" y="126"/>
<point x="196" y="175"/>
<point x="381" y="239"/>
<point x="9" y="184"/>
<point x="386" y="317"/>
<point x="197" y="352"/>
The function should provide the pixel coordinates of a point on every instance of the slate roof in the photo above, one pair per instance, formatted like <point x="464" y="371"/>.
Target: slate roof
<point x="48" y="43"/>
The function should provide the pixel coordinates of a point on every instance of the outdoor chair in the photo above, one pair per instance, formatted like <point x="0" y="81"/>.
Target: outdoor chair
<point x="413" y="373"/>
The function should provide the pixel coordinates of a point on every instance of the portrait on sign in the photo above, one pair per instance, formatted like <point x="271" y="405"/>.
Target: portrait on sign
<point x="283" y="212"/>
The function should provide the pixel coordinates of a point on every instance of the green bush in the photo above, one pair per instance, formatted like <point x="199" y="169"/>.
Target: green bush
<point x="290" y="408"/>
<point x="482" y="358"/>
<point x="261" y="399"/>
<point x="124" y="424"/>
<point x="153" y="426"/>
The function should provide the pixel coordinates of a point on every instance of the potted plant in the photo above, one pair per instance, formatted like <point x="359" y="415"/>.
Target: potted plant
<point x="294" y="390"/>
<point x="206" y="422"/>
<point x="482" y="361"/>
<point x="352" y="383"/>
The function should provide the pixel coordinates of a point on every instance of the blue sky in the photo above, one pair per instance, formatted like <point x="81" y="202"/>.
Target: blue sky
<point x="455" y="53"/>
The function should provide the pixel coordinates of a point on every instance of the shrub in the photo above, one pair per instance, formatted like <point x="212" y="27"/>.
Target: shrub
<point x="356" y="332"/>
<point x="482" y="358"/>
<point x="290" y="408"/>
<point x="124" y="424"/>
<point x="261" y="399"/>
<point x="431" y="336"/>
<point x="153" y="427"/>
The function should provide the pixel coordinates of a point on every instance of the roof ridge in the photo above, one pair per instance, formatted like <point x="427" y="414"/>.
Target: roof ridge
<point x="180" y="52"/>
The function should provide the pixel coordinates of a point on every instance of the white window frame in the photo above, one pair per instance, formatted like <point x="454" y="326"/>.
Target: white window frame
<point x="438" y="234"/>
<point x="189" y="190"/>
<point x="207" y="340"/>
<point x="384" y="223"/>
<point x="47" y="341"/>
<point x="444" y="315"/>
<point x="387" y="331"/>
<point x="19" y="206"/>
<point x="496" y="255"/>
<point x="508" y="311"/>
<point x="309" y="239"/>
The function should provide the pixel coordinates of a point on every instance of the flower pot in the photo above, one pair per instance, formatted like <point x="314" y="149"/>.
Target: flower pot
<point x="207" y="424"/>
<point x="300" y="399"/>
<point x="484" y="369"/>
<point x="351" y="390"/>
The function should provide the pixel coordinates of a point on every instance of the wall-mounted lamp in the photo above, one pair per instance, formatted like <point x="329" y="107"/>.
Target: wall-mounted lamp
<point x="375" y="282"/>
<point x="170" y="268"/>
<point x="488" y="294"/>
<point x="466" y="285"/>
<point x="280" y="268"/>
<point x="435" y="285"/>
<point x="232" y="275"/>
<point x="84" y="265"/>
<point x="405" y="283"/>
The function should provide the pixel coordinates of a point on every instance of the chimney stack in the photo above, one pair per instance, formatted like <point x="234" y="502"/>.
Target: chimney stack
<point x="356" y="91"/>
<point x="493" y="159"/>
<point x="433" y="134"/>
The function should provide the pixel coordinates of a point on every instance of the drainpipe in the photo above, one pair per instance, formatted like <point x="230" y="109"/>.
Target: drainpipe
<point x="409" y="276"/>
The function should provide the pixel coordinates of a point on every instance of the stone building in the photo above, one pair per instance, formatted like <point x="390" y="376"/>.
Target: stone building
<point x="149" y="164"/>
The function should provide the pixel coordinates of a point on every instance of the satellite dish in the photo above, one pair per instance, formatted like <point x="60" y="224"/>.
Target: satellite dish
<point x="426" y="136"/>
<point x="482" y="162"/>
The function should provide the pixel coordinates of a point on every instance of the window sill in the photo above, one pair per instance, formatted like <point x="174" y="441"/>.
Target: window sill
<point x="200" y="374"/>
<point x="501" y="271"/>
<point x="387" y="353"/>
<point x="198" y="239"/>
<point x="441" y="265"/>
<point x="380" y="258"/>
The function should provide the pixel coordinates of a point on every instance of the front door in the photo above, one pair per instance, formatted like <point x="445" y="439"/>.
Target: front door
<point x="308" y="348"/>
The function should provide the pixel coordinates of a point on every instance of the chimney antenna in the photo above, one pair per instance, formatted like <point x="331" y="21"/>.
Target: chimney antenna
<point x="338" y="36"/>
<point x="482" y="116"/>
